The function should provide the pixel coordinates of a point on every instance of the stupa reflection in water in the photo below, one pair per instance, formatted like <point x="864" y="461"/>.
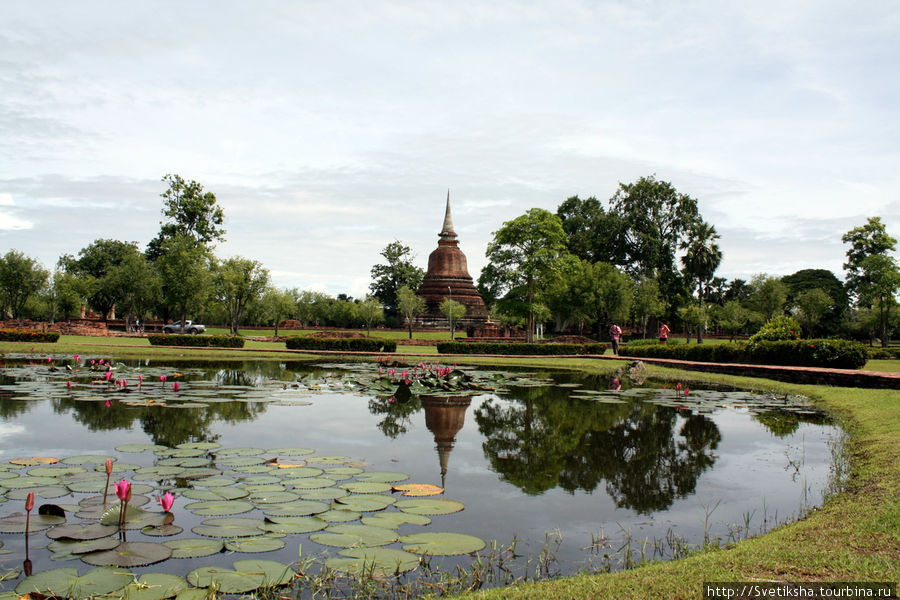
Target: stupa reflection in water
<point x="445" y="416"/>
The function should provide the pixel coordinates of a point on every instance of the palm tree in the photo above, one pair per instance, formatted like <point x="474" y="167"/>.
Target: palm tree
<point x="701" y="259"/>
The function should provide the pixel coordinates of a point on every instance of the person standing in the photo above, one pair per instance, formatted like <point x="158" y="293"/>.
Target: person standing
<point x="615" y="333"/>
<point x="663" y="332"/>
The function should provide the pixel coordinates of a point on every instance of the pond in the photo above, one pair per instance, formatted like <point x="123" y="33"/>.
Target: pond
<point x="270" y="460"/>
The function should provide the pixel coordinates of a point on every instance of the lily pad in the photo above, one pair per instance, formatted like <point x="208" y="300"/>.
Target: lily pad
<point x="80" y="531"/>
<point x="366" y="487"/>
<point x="254" y="544"/>
<point x="135" y="518"/>
<point x="240" y="461"/>
<point x="339" y="516"/>
<point x="49" y="491"/>
<point x="67" y="582"/>
<point x="162" y="530"/>
<point x="293" y="524"/>
<point x="240" y="452"/>
<point x="419" y="489"/>
<point x="129" y="554"/>
<point x="55" y="471"/>
<point x="200" y="445"/>
<point x="292" y="451"/>
<point x="84" y="459"/>
<point x="228" y="527"/>
<point x="154" y="586"/>
<point x="394" y="519"/>
<point x="26" y="481"/>
<point x="430" y="506"/>
<point x="194" y="547"/>
<point x="83" y="546"/>
<point x="382" y="476"/>
<point x="387" y="561"/>
<point x="219" y="507"/>
<point x="216" y="482"/>
<point x="216" y="493"/>
<point x="275" y="497"/>
<point x="15" y="523"/>
<point x="323" y="494"/>
<point x="34" y="461"/>
<point x="441" y="543"/>
<point x="298" y="508"/>
<point x="88" y="486"/>
<point x="304" y="483"/>
<point x="140" y="448"/>
<point x="299" y="471"/>
<point x="365" y="502"/>
<point x="274" y="573"/>
<point x="345" y="536"/>
<point x="225" y="580"/>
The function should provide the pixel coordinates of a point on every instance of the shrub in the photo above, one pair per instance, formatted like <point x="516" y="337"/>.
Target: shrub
<point x="882" y="353"/>
<point x="205" y="341"/>
<point x="518" y="348"/>
<point x="29" y="335"/>
<point x="652" y="342"/>
<point x="777" y="329"/>
<point x="341" y="344"/>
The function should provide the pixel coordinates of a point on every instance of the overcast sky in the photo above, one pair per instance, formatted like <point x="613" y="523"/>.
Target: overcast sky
<point x="329" y="129"/>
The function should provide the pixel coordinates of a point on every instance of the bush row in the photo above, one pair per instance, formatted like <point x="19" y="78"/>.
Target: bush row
<point x="650" y="342"/>
<point x="28" y="335"/>
<point x="835" y="354"/>
<point x="883" y="353"/>
<point x="208" y="341"/>
<point x="341" y="344"/>
<point x="518" y="348"/>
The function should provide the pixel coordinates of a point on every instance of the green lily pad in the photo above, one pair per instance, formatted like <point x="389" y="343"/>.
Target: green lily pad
<point x="240" y="452"/>
<point x="386" y="561"/>
<point x="394" y="519"/>
<point x="299" y="472"/>
<point x="274" y="573"/>
<point x="83" y="546"/>
<point x="186" y="452"/>
<point x="140" y="448"/>
<point x="81" y="531"/>
<point x="216" y="493"/>
<point x="339" y="516"/>
<point x="216" y="482"/>
<point x="26" y="481"/>
<point x="255" y="469"/>
<point x="200" y="473"/>
<point x="366" y="487"/>
<point x="15" y="523"/>
<point x="328" y="460"/>
<point x="430" y="506"/>
<point x="219" y="507"/>
<point x="183" y="462"/>
<point x="135" y="518"/>
<point x="365" y="502"/>
<point x="291" y="451"/>
<point x="298" y="508"/>
<point x="162" y="530"/>
<point x="161" y="472"/>
<point x="193" y="594"/>
<point x="293" y="524"/>
<point x="67" y="582"/>
<point x="442" y="543"/>
<point x="129" y="554"/>
<point x="240" y="461"/>
<point x="345" y="536"/>
<point x="382" y="476"/>
<point x="225" y="580"/>
<point x="304" y="483"/>
<point x="228" y="527"/>
<point x="260" y="480"/>
<point x="89" y="486"/>
<point x="55" y="471"/>
<point x="323" y="494"/>
<point x="343" y="471"/>
<point x="154" y="586"/>
<point x="49" y="491"/>
<point x="273" y="497"/>
<point x="194" y="547"/>
<point x="84" y="459"/>
<point x="200" y="445"/>
<point x="254" y="544"/>
<point x="117" y="467"/>
<point x="254" y="488"/>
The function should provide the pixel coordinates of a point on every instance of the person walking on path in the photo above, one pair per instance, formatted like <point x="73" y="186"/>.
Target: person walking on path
<point x="663" y="332"/>
<point x="615" y="332"/>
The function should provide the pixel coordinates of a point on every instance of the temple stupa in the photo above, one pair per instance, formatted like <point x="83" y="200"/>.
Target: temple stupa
<point x="448" y="276"/>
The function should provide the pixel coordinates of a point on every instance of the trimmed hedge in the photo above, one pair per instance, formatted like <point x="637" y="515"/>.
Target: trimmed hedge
<point x="834" y="354"/>
<point x="341" y="344"/>
<point x="883" y="353"/>
<point x="518" y="348"/>
<point x="29" y="335"/>
<point x="206" y="341"/>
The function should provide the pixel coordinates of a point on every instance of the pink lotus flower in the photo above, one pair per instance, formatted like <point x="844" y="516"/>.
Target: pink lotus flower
<point x="678" y="386"/>
<point x="109" y="375"/>
<point x="92" y="361"/>
<point x="687" y="391"/>
<point x="166" y="501"/>
<point x="162" y="378"/>
<point x="123" y="382"/>
<point x="123" y="490"/>
<point x="107" y="404"/>
<point x="175" y="387"/>
<point x="406" y="381"/>
<point x="391" y="400"/>
<point x="140" y="380"/>
<point x="100" y="361"/>
<point x="68" y="384"/>
<point x="49" y="359"/>
<point x="76" y="357"/>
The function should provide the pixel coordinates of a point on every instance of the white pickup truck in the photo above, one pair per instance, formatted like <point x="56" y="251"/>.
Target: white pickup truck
<point x="188" y="327"/>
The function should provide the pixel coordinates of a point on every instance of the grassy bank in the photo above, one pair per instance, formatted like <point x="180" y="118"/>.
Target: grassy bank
<point x="854" y="537"/>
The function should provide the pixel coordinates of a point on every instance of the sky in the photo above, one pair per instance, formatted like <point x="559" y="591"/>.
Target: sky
<point x="329" y="129"/>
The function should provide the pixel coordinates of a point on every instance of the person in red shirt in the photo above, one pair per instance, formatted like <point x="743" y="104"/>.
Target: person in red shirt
<point x="615" y="333"/>
<point x="663" y="332"/>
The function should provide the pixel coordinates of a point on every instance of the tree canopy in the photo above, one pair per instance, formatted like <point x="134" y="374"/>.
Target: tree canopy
<point x="397" y="271"/>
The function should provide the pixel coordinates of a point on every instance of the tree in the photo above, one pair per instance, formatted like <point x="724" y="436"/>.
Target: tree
<point x="454" y="311"/>
<point x="831" y="321"/>
<point x="409" y="305"/>
<point x="189" y="211"/>
<point x="701" y="259"/>
<point x="592" y="233"/>
<point x="237" y="282"/>
<point x="370" y="311"/>
<point x="184" y="269"/>
<point x="95" y="266"/>
<point x="811" y="305"/>
<point x="277" y="304"/>
<point x="866" y="240"/>
<point x="61" y="295"/>
<point x="612" y="294"/>
<point x="880" y="281"/>
<point x="767" y="296"/>
<point x="21" y="277"/>
<point x="568" y="294"/>
<point x="732" y="317"/>
<point x="655" y="220"/>
<point x="525" y="252"/>
<point x="139" y="286"/>
<point x="397" y="271"/>
<point x="647" y="302"/>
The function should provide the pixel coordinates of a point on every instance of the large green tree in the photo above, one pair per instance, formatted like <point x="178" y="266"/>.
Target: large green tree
<point x="647" y="302"/>
<point x="184" y="269"/>
<point x="237" y="282"/>
<point x="409" y="305"/>
<point x="831" y="321"/>
<point x="701" y="259"/>
<point x="524" y="253"/>
<point x="592" y="233"/>
<point x="139" y="286"/>
<point x="21" y="277"/>
<point x="768" y="296"/>
<point x="880" y="282"/>
<point x="278" y="304"/>
<point x="189" y="210"/>
<point x="396" y="271"/>
<point x="866" y="240"/>
<point x="96" y="266"/>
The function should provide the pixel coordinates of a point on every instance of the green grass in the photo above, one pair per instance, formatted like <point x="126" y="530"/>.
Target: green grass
<point x="885" y="365"/>
<point x="388" y="334"/>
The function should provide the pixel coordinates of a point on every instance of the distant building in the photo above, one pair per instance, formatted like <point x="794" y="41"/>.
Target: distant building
<point x="448" y="276"/>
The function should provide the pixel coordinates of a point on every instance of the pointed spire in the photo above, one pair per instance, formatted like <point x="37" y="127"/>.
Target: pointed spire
<point x="447" y="230"/>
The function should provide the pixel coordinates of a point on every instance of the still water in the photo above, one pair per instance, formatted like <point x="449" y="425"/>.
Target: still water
<point x="554" y="460"/>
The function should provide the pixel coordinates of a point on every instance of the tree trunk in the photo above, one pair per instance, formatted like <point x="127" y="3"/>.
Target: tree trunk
<point x="409" y="323"/>
<point x="700" y="305"/>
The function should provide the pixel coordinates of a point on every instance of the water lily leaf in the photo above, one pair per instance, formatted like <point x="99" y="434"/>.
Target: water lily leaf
<point x="386" y="561"/>
<point x="50" y="491"/>
<point x="340" y="516"/>
<point x="203" y="494"/>
<point x="81" y="531"/>
<point x="240" y="452"/>
<point x="430" y="506"/>
<point x="365" y="502"/>
<point x="293" y="524"/>
<point x="264" y="468"/>
<point x="186" y="452"/>
<point x="304" y="483"/>
<point x="117" y="467"/>
<point x="254" y="544"/>
<point x="260" y="479"/>
<point x="162" y="530"/>
<point x="86" y="486"/>
<point x="419" y="489"/>
<point x="8" y="474"/>
<point x="200" y="445"/>
<point x="328" y="460"/>
<point x="129" y="554"/>
<point x="323" y="494"/>
<point x="382" y="476"/>
<point x="183" y="462"/>
<point x="441" y="543"/>
<point x="240" y="461"/>
<point x="34" y="461"/>
<point x="26" y="481"/>
<point x="277" y="497"/>
<point x="87" y="458"/>
<point x="160" y="472"/>
<point x="140" y="448"/>
<point x="298" y="508"/>
<point x="345" y="536"/>
<point x="344" y="471"/>
<point x="228" y="527"/>
<point x="299" y="470"/>
<point x="67" y="582"/>
<point x="154" y="586"/>
<point x="292" y="451"/>
<point x="219" y="507"/>
<point x="366" y="487"/>
<point x="198" y="473"/>
<point x="194" y="547"/>
<point x="193" y="594"/>
<point x="216" y="482"/>
<point x="55" y="471"/>
<point x="135" y="518"/>
<point x="216" y="493"/>
<point x="15" y="523"/>
<point x="273" y="573"/>
<point x="394" y="519"/>
<point x="224" y="580"/>
<point x="83" y="546"/>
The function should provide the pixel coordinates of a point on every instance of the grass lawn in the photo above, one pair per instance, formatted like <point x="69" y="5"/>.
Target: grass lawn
<point x="890" y="366"/>
<point x="855" y="536"/>
<point x="387" y="334"/>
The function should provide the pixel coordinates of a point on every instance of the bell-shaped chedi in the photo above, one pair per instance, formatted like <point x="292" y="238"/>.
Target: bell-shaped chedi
<point x="444" y="418"/>
<point x="448" y="276"/>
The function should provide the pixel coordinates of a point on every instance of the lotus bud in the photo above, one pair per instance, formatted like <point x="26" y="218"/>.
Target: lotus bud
<point x="29" y="501"/>
<point x="123" y="490"/>
<point x="166" y="501"/>
<point x="175" y="387"/>
<point x="108" y="466"/>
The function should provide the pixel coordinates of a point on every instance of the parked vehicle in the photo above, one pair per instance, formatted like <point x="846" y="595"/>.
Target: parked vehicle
<point x="188" y="327"/>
